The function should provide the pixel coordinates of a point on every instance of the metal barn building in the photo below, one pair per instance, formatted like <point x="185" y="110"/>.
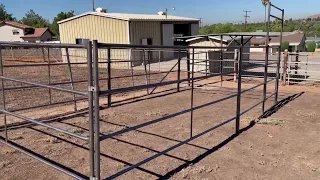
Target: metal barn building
<point x="137" y="29"/>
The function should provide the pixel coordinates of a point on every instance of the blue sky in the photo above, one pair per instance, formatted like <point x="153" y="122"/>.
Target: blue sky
<point x="212" y="11"/>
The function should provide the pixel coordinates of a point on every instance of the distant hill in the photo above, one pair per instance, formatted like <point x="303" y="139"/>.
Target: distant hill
<point x="316" y="16"/>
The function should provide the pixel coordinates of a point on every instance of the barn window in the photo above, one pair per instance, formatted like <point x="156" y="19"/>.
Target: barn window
<point x="147" y="41"/>
<point x="82" y="41"/>
<point x="15" y="32"/>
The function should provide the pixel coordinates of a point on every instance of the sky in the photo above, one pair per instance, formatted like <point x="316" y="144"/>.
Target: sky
<point x="212" y="11"/>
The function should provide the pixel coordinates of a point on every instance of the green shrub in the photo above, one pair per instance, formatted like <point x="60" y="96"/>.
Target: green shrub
<point x="311" y="46"/>
<point x="284" y="46"/>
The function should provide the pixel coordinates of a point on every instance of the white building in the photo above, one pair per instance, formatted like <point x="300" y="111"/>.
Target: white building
<point x="17" y="32"/>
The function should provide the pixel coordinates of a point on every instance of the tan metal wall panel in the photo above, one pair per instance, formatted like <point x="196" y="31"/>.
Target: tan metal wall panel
<point x="105" y="30"/>
<point x="144" y="29"/>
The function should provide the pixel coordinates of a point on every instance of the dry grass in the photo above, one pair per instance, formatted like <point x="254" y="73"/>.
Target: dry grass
<point x="270" y="121"/>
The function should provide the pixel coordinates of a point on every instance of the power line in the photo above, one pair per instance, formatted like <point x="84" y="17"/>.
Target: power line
<point x="246" y="18"/>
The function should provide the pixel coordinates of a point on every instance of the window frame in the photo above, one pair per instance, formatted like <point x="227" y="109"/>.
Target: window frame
<point x="15" y="32"/>
<point x="82" y="41"/>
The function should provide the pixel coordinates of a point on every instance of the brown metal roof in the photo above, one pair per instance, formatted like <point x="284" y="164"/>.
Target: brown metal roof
<point x="16" y="24"/>
<point x="38" y="32"/>
<point x="292" y="38"/>
<point x="258" y="41"/>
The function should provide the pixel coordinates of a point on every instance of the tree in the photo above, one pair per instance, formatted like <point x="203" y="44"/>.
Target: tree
<point x="310" y="28"/>
<point x="61" y="16"/>
<point x="34" y="20"/>
<point x="311" y="46"/>
<point x="284" y="46"/>
<point x="4" y="15"/>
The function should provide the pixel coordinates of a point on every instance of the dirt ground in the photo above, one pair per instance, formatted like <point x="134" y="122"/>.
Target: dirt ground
<point x="281" y="145"/>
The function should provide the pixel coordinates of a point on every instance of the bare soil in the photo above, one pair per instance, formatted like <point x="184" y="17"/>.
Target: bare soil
<point x="284" y="144"/>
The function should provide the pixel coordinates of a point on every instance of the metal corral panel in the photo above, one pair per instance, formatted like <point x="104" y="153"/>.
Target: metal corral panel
<point x="141" y="30"/>
<point x="105" y="30"/>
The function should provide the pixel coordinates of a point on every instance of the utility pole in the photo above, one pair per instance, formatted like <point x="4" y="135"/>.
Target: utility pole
<point x="246" y="18"/>
<point x="174" y="8"/>
<point x="201" y="21"/>
<point x="93" y="6"/>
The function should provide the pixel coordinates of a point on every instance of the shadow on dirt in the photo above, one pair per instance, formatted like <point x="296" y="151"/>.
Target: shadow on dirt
<point x="268" y="113"/>
<point x="169" y="174"/>
<point x="279" y="105"/>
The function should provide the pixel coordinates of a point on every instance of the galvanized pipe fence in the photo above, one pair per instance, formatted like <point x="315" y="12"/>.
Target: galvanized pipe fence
<point x="93" y="93"/>
<point x="185" y="63"/>
<point x="99" y="61"/>
<point x="301" y="68"/>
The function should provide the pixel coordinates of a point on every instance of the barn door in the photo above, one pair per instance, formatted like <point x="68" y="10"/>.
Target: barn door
<point x="167" y="34"/>
<point x="194" y="29"/>
<point x="167" y="40"/>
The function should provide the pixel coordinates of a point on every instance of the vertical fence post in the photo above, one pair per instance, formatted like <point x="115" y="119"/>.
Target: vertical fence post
<point x="96" y="109"/>
<point x="90" y="105"/>
<point x="71" y="79"/>
<point x="306" y="70"/>
<point x="159" y="61"/>
<point x="49" y="75"/>
<point x="285" y="67"/>
<point x="131" y="66"/>
<point x="179" y="70"/>
<point x="192" y="89"/>
<point x="279" y="61"/>
<point x="3" y="96"/>
<point x="206" y="62"/>
<point x="49" y="79"/>
<point x="145" y="69"/>
<point x="296" y="65"/>
<point x="12" y="57"/>
<point x="289" y="69"/>
<point x="266" y="61"/>
<point x="277" y="77"/>
<point x="109" y="76"/>
<point x="149" y="55"/>
<point x="265" y="79"/>
<point x="221" y="67"/>
<point x="236" y="65"/>
<point x="221" y="60"/>
<point x="188" y="67"/>
<point x="238" y="112"/>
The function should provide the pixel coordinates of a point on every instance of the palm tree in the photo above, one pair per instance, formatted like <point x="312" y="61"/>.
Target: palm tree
<point x="265" y="3"/>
